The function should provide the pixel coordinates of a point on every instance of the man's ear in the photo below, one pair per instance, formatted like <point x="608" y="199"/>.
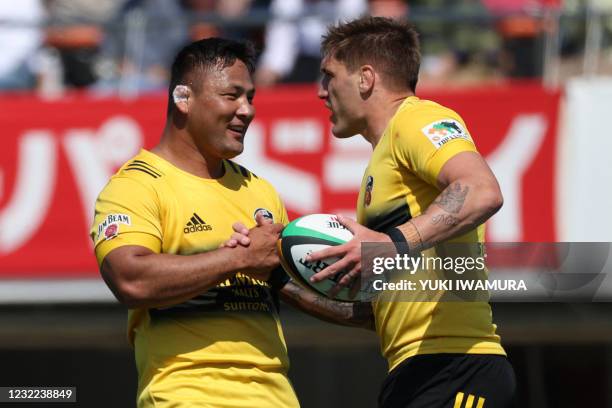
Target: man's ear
<point x="182" y="96"/>
<point x="367" y="77"/>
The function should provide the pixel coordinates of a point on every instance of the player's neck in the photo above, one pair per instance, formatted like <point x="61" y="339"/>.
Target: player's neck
<point x="379" y="114"/>
<point x="180" y="150"/>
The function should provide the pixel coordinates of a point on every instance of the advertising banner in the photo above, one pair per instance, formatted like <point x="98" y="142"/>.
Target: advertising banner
<point x="57" y="156"/>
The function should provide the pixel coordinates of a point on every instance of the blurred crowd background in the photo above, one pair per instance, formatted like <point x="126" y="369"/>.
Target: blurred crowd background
<point x="125" y="46"/>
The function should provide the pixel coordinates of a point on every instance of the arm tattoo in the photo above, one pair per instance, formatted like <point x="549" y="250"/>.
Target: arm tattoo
<point x="319" y="303"/>
<point x="342" y="310"/>
<point x="353" y="314"/>
<point x="444" y="219"/>
<point x="452" y="198"/>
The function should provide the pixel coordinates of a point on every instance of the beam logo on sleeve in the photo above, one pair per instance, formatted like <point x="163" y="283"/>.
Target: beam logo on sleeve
<point x="109" y="227"/>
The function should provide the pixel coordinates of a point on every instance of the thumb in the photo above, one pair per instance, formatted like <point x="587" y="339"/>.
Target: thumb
<point x="350" y="224"/>
<point x="261" y="220"/>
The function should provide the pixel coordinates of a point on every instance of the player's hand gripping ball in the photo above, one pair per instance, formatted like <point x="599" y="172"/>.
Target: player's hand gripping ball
<point x="309" y="234"/>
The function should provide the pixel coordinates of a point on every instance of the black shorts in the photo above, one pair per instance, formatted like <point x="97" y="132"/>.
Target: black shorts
<point x="450" y="381"/>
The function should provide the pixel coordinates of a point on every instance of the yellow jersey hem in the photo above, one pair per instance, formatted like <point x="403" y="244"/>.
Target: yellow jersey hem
<point x="495" y="350"/>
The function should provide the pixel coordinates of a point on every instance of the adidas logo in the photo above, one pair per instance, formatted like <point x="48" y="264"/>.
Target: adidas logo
<point x="196" y="224"/>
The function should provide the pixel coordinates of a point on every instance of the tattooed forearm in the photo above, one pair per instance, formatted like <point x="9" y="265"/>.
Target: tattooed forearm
<point x="310" y="302"/>
<point x="345" y="313"/>
<point x="444" y="219"/>
<point x="337" y="309"/>
<point x="452" y="198"/>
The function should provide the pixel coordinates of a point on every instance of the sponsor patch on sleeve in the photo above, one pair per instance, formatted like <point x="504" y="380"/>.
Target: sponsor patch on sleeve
<point x="109" y="228"/>
<point x="443" y="131"/>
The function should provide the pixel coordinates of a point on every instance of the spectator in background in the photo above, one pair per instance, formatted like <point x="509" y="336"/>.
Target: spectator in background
<point x="293" y="37"/>
<point x="207" y="29"/>
<point x="77" y="31"/>
<point x="238" y="20"/>
<point x="127" y="64"/>
<point x="20" y="39"/>
<point x="389" y="8"/>
<point x="522" y="27"/>
<point x="457" y="47"/>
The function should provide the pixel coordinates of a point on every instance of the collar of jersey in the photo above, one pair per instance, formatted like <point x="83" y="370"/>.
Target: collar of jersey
<point x="388" y="128"/>
<point x="167" y="166"/>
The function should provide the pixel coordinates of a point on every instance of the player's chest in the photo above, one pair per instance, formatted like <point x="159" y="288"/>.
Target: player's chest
<point x="198" y="220"/>
<point x="389" y="191"/>
<point x="383" y="180"/>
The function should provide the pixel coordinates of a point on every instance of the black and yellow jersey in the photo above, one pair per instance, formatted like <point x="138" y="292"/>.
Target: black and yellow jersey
<point x="225" y="347"/>
<point x="399" y="183"/>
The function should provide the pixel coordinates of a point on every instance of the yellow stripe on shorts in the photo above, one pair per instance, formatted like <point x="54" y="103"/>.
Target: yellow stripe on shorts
<point x="469" y="401"/>
<point x="458" y="400"/>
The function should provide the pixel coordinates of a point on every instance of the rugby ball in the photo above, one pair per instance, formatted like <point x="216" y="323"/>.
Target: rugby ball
<point x="309" y="234"/>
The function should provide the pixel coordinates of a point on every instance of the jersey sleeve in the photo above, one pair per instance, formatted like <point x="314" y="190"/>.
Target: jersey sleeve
<point x="426" y="144"/>
<point x="280" y="213"/>
<point x="284" y="218"/>
<point x="278" y="276"/>
<point x="126" y="213"/>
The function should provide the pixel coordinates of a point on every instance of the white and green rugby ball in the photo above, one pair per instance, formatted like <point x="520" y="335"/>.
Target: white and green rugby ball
<point x="308" y="234"/>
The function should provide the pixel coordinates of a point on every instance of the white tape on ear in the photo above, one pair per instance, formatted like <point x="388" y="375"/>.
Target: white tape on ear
<point x="180" y="93"/>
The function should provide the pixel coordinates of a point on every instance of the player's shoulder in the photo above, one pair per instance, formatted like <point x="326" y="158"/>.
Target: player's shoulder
<point x="420" y="120"/>
<point x="143" y="167"/>
<point x="251" y="179"/>
<point x="240" y="171"/>
<point x="139" y="174"/>
<point x="416" y="113"/>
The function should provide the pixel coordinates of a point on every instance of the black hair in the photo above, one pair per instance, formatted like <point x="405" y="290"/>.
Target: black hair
<point x="204" y="55"/>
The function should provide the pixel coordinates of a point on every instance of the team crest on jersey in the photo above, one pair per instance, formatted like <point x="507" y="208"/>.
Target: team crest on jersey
<point x="109" y="228"/>
<point x="367" y="197"/>
<point x="264" y="213"/>
<point x="443" y="131"/>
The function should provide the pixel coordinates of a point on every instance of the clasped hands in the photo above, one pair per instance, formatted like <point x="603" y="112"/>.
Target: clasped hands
<point x="348" y="265"/>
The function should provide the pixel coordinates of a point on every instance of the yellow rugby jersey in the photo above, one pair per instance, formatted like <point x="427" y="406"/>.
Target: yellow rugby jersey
<point x="400" y="183"/>
<point x="224" y="348"/>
